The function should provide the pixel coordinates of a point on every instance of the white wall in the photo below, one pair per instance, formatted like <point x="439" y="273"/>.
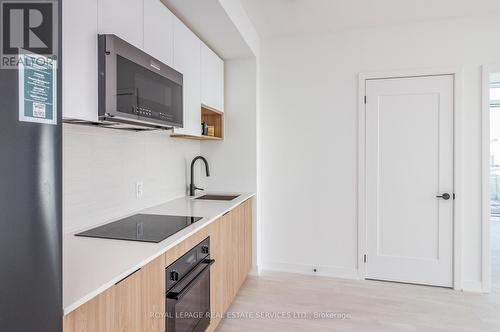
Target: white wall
<point x="233" y="161"/>
<point x="308" y="131"/>
<point x="101" y="167"/>
<point x="233" y="164"/>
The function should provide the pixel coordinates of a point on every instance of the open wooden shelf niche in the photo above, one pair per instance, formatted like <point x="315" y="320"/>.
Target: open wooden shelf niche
<point x="212" y="117"/>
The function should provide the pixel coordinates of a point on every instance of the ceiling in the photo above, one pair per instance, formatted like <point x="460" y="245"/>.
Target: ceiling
<point x="210" y="21"/>
<point x="278" y="18"/>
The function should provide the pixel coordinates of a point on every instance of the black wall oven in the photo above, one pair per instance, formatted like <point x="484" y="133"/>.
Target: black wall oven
<point x="136" y="88"/>
<point x="188" y="290"/>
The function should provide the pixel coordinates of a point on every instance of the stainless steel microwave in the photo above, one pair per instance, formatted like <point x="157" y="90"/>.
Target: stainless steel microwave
<point x="135" y="88"/>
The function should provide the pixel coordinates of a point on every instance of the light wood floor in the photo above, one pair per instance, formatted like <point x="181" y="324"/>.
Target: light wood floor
<point x="372" y="306"/>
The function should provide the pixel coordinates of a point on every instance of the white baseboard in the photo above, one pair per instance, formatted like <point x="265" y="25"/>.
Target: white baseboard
<point x="339" y="272"/>
<point x="472" y="286"/>
<point x="256" y="270"/>
<point x="325" y="271"/>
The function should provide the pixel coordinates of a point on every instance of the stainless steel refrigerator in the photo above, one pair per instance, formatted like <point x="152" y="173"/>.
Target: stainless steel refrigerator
<point x="30" y="213"/>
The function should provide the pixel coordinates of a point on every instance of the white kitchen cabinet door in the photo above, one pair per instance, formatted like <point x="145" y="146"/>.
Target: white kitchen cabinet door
<point x="124" y="18"/>
<point x="212" y="79"/>
<point x="79" y="44"/>
<point x="187" y="61"/>
<point x="158" y="31"/>
<point x="220" y="84"/>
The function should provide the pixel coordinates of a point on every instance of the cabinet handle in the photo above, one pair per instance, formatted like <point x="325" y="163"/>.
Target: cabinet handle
<point x="116" y="283"/>
<point x="178" y="295"/>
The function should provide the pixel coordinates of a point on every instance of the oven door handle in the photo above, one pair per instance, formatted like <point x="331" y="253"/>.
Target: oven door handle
<point x="182" y="292"/>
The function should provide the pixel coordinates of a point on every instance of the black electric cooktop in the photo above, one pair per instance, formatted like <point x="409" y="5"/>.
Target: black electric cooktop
<point x="141" y="227"/>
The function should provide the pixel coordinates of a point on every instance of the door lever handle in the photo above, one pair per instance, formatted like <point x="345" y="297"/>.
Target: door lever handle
<point x="444" y="196"/>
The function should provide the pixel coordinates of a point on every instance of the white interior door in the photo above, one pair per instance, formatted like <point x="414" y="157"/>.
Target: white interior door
<point x="409" y="162"/>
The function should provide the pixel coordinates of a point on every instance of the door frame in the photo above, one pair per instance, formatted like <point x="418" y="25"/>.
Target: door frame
<point x="485" y="177"/>
<point x="457" y="73"/>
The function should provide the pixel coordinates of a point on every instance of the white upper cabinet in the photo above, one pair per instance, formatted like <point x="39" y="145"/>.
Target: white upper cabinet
<point x="123" y="18"/>
<point x="187" y="60"/>
<point x="158" y="31"/>
<point x="212" y="79"/>
<point x="150" y="26"/>
<point x="79" y="44"/>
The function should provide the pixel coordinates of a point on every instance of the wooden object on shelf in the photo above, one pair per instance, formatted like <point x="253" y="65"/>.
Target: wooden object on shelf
<point x="211" y="131"/>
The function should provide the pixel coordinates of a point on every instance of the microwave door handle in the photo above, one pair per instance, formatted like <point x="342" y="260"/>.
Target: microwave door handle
<point x="179" y="295"/>
<point x="137" y="97"/>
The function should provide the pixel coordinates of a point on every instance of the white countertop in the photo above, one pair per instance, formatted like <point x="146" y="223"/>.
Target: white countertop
<point x="92" y="265"/>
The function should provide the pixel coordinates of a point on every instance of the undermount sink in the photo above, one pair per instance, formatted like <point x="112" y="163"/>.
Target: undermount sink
<point x="218" y="197"/>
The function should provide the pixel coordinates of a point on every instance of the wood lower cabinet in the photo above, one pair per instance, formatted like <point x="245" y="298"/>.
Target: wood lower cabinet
<point x="137" y="303"/>
<point x="132" y="304"/>
<point x="127" y="303"/>
<point x="153" y="295"/>
<point x="234" y="259"/>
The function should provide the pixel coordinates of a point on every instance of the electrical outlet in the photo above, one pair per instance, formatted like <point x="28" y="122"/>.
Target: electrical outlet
<point x="139" y="189"/>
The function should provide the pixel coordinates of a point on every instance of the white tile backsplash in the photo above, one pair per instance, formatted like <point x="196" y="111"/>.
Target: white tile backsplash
<point x="101" y="167"/>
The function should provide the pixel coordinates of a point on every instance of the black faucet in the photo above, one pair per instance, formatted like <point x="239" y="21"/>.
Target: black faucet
<point x="192" y="186"/>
